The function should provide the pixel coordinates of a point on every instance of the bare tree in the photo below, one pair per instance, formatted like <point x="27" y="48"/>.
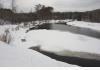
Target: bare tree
<point x="1" y="6"/>
<point x="43" y="12"/>
<point x="39" y="7"/>
<point x="13" y="5"/>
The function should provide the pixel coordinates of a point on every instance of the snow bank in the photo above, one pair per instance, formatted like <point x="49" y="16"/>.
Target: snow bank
<point x="95" y="26"/>
<point x="18" y="57"/>
<point x="56" y="41"/>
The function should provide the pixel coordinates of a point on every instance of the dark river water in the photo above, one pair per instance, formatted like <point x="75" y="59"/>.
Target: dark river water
<point x="83" y="62"/>
<point x="77" y="30"/>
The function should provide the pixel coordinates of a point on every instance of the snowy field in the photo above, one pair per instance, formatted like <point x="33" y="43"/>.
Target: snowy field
<point x="17" y="52"/>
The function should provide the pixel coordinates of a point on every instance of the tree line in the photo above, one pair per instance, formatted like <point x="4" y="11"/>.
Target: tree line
<point x="43" y="12"/>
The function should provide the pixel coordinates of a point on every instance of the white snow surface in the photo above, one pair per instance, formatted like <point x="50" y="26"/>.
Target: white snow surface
<point x="95" y="26"/>
<point x="56" y="41"/>
<point x="18" y="54"/>
<point x="20" y="57"/>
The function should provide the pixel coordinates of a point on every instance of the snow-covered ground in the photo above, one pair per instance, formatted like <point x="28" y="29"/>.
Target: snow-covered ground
<point x="55" y="41"/>
<point x="14" y="56"/>
<point x="18" y="54"/>
<point x="95" y="26"/>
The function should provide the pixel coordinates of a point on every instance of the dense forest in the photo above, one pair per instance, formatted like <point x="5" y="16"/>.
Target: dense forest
<point x="46" y="13"/>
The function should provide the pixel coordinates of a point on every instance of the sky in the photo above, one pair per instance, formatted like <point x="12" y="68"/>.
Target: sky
<point x="58" y="5"/>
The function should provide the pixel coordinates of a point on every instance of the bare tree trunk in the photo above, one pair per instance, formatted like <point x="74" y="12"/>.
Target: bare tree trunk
<point x="13" y="6"/>
<point x="1" y="6"/>
<point x="13" y="9"/>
